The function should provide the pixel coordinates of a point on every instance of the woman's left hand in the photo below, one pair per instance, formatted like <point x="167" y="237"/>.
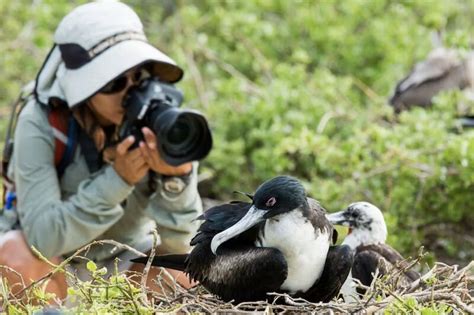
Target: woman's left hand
<point x="155" y="162"/>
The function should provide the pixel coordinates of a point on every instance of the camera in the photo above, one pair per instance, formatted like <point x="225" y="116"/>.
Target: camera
<point x="183" y="135"/>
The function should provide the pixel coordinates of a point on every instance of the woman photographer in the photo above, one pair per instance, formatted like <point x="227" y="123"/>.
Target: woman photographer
<point x="109" y="189"/>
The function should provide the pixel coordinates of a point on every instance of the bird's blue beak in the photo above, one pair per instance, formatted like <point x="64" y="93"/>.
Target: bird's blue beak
<point x="253" y="217"/>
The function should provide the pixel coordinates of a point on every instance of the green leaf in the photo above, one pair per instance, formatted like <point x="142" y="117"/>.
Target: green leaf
<point x="91" y="266"/>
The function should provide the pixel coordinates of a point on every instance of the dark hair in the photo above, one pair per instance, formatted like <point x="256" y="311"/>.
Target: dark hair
<point x="90" y="124"/>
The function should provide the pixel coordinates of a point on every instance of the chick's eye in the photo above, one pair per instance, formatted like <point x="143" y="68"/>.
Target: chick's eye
<point x="271" y="202"/>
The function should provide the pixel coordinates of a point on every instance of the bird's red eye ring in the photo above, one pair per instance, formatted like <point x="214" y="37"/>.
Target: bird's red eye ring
<point x="271" y="202"/>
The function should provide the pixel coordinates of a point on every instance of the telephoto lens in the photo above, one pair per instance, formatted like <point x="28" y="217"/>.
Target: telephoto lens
<point x="183" y="135"/>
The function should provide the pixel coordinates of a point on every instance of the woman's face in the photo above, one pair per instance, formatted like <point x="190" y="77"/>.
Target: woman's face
<point x="107" y="103"/>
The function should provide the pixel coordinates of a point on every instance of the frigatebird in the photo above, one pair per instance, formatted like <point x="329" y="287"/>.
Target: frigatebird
<point x="281" y="242"/>
<point x="444" y="69"/>
<point x="367" y="235"/>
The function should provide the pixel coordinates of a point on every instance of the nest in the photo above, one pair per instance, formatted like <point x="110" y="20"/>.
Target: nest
<point x="443" y="288"/>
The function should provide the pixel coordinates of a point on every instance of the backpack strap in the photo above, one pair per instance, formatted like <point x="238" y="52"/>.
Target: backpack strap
<point x="64" y="128"/>
<point x="17" y="106"/>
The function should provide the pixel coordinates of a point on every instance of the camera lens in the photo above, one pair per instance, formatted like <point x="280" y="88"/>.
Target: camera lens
<point x="182" y="135"/>
<point x="187" y="136"/>
<point x="179" y="132"/>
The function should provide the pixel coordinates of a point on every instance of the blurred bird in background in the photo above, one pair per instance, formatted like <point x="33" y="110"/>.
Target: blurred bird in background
<point x="444" y="69"/>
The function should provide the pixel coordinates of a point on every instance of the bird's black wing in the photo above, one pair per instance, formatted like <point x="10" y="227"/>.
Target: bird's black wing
<point x="336" y="269"/>
<point x="218" y="219"/>
<point x="365" y="264"/>
<point x="370" y="257"/>
<point x="244" y="273"/>
<point x="395" y="259"/>
<point x="238" y="272"/>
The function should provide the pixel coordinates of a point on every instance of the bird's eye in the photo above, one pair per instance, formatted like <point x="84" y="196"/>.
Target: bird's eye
<point x="355" y="214"/>
<point x="271" y="202"/>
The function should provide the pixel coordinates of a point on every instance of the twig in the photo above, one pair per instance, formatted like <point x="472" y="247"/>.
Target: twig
<point x="147" y="268"/>
<point x="366" y="89"/>
<point x="257" y="54"/>
<point x="232" y="70"/>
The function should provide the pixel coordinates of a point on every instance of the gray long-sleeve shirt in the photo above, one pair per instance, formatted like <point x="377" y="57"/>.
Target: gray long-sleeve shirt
<point x="59" y="216"/>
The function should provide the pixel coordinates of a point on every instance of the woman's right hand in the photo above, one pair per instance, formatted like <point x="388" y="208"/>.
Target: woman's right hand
<point x="130" y="165"/>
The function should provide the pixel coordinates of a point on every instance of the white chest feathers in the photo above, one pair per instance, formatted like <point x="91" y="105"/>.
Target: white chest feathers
<point x="305" y="249"/>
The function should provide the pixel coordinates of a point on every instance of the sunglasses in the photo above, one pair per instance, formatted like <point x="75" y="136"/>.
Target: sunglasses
<point x="120" y="83"/>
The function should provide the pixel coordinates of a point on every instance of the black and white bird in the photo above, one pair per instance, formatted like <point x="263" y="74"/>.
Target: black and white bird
<point x="281" y="242"/>
<point x="367" y="235"/>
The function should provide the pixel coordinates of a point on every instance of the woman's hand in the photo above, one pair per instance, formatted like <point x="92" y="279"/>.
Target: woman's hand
<point x="130" y="165"/>
<point x="155" y="162"/>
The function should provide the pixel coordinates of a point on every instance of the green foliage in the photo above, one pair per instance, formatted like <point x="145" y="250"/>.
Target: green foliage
<point x="300" y="87"/>
<point x="115" y="294"/>
<point x="411" y="306"/>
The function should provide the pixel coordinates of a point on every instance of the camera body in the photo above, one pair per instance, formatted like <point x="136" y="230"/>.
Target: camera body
<point x="183" y="135"/>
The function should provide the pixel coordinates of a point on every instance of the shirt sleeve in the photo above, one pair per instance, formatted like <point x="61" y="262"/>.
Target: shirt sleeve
<point x="50" y="224"/>
<point x="175" y="214"/>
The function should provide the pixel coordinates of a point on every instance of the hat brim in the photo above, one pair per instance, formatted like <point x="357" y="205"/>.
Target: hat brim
<point x="80" y="84"/>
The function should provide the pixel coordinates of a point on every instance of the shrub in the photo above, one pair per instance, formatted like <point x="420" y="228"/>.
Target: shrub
<point x="300" y="87"/>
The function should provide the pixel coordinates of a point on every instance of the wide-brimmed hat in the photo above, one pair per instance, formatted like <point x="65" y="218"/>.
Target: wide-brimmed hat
<point x="94" y="44"/>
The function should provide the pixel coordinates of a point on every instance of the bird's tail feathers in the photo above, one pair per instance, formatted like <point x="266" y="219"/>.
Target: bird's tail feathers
<point x="176" y="262"/>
